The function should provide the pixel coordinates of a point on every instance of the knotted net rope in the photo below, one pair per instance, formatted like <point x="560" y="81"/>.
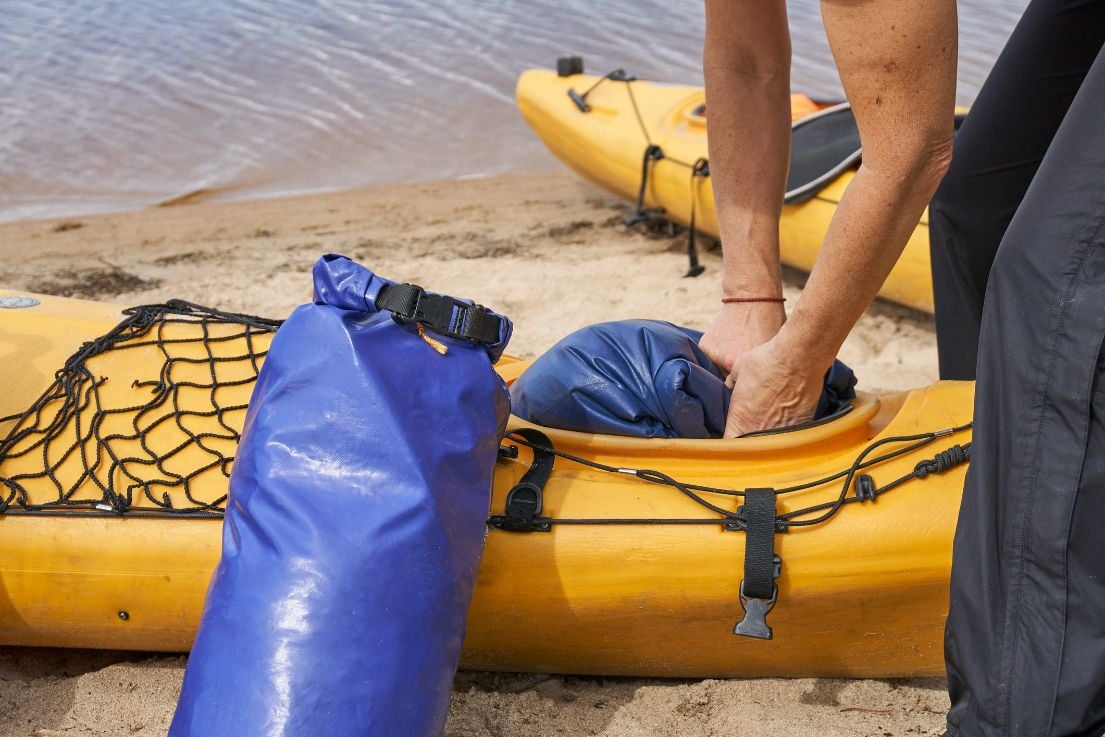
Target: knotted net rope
<point x="86" y="446"/>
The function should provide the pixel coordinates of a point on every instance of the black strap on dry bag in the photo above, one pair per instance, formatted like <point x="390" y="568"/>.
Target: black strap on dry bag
<point x="441" y="313"/>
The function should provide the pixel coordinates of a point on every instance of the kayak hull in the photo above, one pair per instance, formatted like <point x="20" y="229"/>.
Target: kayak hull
<point x="862" y="595"/>
<point x="606" y="146"/>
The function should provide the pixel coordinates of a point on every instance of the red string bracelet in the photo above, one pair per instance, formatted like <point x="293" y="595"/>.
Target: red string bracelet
<point x="738" y="300"/>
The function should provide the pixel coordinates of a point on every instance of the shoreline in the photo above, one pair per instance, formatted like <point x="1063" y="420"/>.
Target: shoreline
<point x="546" y="249"/>
<point x="236" y="193"/>
<point x="556" y="244"/>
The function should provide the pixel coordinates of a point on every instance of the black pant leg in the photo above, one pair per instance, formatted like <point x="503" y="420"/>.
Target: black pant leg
<point x="1025" y="638"/>
<point x="997" y="152"/>
<point x="1080" y="699"/>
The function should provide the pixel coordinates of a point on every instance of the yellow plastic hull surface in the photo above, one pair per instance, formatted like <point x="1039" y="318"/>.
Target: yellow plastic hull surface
<point x="862" y="595"/>
<point x="606" y="144"/>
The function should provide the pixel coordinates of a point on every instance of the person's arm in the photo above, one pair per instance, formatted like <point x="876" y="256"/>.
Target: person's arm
<point x="746" y="62"/>
<point x="897" y="62"/>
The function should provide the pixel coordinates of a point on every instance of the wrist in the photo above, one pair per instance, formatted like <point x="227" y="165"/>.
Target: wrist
<point x="751" y="272"/>
<point x="755" y="315"/>
<point x="751" y="285"/>
<point x="804" y="351"/>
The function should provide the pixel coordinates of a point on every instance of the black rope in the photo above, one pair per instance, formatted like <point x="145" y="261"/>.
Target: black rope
<point x="941" y="462"/>
<point x="618" y="75"/>
<point x="700" y="169"/>
<point x="640" y="213"/>
<point x="66" y="425"/>
<point x="653" y="153"/>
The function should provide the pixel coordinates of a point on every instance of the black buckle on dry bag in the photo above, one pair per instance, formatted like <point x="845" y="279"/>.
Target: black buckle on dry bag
<point x="444" y="315"/>
<point x="522" y="512"/>
<point x="758" y="591"/>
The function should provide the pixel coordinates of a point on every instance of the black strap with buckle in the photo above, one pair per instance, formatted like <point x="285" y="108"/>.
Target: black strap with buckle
<point x="444" y="315"/>
<point x="524" y="501"/>
<point x="642" y="214"/>
<point x="758" y="592"/>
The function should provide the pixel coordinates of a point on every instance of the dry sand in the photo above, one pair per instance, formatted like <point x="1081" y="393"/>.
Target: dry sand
<point x="549" y="251"/>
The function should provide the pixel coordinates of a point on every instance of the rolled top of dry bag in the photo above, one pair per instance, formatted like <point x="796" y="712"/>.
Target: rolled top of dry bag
<point x="339" y="284"/>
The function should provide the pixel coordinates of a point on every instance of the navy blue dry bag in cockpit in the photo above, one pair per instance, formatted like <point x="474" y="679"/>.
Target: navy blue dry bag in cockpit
<point x="356" y="518"/>
<point x="641" y="378"/>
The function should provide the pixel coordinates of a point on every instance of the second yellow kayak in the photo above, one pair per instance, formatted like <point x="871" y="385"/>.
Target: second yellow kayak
<point x="606" y="144"/>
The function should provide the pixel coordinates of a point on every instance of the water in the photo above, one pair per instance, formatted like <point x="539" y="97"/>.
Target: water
<point x="119" y="104"/>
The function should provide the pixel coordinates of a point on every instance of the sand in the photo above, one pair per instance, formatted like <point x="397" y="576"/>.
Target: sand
<point x="549" y="251"/>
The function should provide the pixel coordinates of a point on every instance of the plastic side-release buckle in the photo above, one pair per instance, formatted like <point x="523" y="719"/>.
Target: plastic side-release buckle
<point x="444" y="315"/>
<point x="756" y="610"/>
<point x="758" y="590"/>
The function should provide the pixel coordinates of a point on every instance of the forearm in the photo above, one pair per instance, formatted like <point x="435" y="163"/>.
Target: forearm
<point x="746" y="62"/>
<point x="868" y="232"/>
<point x="897" y="63"/>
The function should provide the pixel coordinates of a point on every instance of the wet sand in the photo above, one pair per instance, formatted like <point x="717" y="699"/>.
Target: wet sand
<point x="549" y="251"/>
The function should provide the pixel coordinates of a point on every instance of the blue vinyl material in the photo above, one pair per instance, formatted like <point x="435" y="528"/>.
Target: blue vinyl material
<point x="641" y="378"/>
<point x="354" y="527"/>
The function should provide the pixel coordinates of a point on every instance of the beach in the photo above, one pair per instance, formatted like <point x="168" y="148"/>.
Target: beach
<point x="544" y="248"/>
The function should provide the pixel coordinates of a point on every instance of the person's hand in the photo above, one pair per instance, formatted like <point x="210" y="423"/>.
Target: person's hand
<point x="739" y="328"/>
<point x="772" y="387"/>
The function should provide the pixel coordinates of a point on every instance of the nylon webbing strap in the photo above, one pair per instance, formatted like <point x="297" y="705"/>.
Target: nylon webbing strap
<point x="759" y="545"/>
<point x="641" y="214"/>
<point x="440" y="313"/>
<point x="701" y="168"/>
<point x="524" y="501"/>
<point x="757" y="590"/>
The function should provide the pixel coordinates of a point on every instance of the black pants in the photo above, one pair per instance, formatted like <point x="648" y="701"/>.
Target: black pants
<point x="997" y="152"/>
<point x="1026" y="632"/>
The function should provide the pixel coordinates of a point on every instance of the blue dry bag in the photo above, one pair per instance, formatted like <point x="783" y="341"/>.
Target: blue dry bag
<point x="640" y="377"/>
<point x="355" y="522"/>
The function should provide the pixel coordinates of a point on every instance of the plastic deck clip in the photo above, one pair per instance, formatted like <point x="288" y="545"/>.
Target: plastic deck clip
<point x="522" y="512"/>
<point x="865" y="488"/>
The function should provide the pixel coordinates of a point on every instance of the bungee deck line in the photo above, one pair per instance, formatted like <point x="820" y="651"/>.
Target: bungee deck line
<point x="758" y="517"/>
<point x="653" y="153"/>
<point x="866" y="490"/>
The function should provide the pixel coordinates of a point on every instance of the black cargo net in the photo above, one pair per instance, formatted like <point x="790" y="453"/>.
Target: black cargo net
<point x="143" y="420"/>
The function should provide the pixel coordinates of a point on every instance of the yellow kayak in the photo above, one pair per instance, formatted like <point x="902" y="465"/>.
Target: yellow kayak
<point x="119" y="556"/>
<point x="606" y="144"/>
